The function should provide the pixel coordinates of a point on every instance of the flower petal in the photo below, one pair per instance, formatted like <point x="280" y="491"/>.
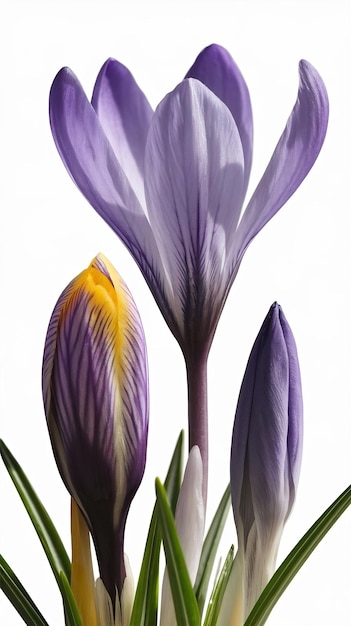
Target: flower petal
<point x="292" y="159"/>
<point x="95" y="366"/>
<point x="194" y="191"/>
<point x="95" y="390"/>
<point x="190" y="524"/>
<point x="266" y="450"/>
<point x="217" y="70"/>
<point x="267" y="436"/>
<point x="295" y="410"/>
<point x="127" y="595"/>
<point x="90" y="160"/>
<point x="125" y="115"/>
<point x="104" y="605"/>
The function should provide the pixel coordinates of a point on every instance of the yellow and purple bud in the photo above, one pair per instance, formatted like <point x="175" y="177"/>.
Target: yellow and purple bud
<point x="265" y="459"/>
<point x="96" y="399"/>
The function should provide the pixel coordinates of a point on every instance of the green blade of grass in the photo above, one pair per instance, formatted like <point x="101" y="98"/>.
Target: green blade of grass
<point x="216" y="598"/>
<point x="185" y="604"/>
<point x="209" y="549"/>
<point x="47" y="533"/>
<point x="297" y="557"/>
<point x="72" y="615"/>
<point x="19" y="597"/>
<point x="42" y="523"/>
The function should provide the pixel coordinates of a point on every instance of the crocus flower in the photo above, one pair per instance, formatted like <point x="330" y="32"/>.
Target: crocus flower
<point x="95" y="390"/>
<point x="172" y="185"/>
<point x="265" y="459"/>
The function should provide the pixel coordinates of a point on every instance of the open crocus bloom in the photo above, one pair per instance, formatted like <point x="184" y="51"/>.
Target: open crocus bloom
<point x="172" y="185"/>
<point x="95" y="391"/>
<point x="265" y="461"/>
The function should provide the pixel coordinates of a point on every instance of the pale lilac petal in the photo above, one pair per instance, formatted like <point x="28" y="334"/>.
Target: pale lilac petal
<point x="266" y="450"/>
<point x="194" y="192"/>
<point x="105" y="611"/>
<point x="125" y="115"/>
<point x="292" y="159"/>
<point x="127" y="595"/>
<point x="218" y="71"/>
<point x="190" y="512"/>
<point x="190" y="524"/>
<point x="90" y="160"/>
<point x="295" y="410"/>
<point x="267" y="435"/>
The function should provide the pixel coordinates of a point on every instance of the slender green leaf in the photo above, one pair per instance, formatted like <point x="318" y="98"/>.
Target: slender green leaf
<point x="19" y="597"/>
<point x="289" y="568"/>
<point x="146" y="597"/>
<point x="216" y="598"/>
<point x="72" y="615"/>
<point x="209" y="549"/>
<point x="185" y="605"/>
<point x="42" y="523"/>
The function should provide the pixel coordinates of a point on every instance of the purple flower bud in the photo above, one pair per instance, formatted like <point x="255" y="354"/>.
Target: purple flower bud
<point x="95" y="391"/>
<point x="266" y="452"/>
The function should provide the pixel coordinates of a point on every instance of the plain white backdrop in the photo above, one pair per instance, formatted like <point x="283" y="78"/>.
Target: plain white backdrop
<point x="49" y="233"/>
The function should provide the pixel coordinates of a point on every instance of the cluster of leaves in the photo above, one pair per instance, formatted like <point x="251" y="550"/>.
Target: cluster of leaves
<point x="189" y="601"/>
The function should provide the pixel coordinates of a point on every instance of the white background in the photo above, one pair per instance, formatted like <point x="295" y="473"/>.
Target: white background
<point x="49" y="233"/>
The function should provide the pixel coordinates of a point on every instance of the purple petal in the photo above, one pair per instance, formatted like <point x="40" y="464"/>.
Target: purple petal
<point x="95" y="390"/>
<point x="267" y="436"/>
<point x="95" y="368"/>
<point x="194" y="192"/>
<point x="125" y="115"/>
<point x="217" y="70"/>
<point x="266" y="452"/>
<point x="295" y="409"/>
<point x="292" y="159"/>
<point x="90" y="160"/>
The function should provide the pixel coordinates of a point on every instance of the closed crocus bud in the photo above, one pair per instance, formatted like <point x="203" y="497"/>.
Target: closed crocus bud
<point x="265" y="457"/>
<point x="95" y="390"/>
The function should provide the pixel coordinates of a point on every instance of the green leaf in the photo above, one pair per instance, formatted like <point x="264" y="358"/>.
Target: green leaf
<point x="186" y="609"/>
<point x="72" y="615"/>
<point x="216" y="598"/>
<point x="289" y="568"/>
<point x="145" y="605"/>
<point x="42" y="523"/>
<point x="19" y="597"/>
<point x="209" y="549"/>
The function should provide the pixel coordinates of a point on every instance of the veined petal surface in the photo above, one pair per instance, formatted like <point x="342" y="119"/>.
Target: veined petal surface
<point x="95" y="390"/>
<point x="293" y="157"/>
<point x="266" y="450"/>
<point x="218" y="71"/>
<point x="194" y="168"/>
<point x="90" y="159"/>
<point x="125" y="115"/>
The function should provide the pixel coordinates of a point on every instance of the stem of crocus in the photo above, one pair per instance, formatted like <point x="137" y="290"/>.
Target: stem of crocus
<point x="197" y="411"/>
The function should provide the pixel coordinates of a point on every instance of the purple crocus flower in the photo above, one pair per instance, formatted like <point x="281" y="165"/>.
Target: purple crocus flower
<point x="172" y="184"/>
<point x="95" y="391"/>
<point x="265" y="458"/>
